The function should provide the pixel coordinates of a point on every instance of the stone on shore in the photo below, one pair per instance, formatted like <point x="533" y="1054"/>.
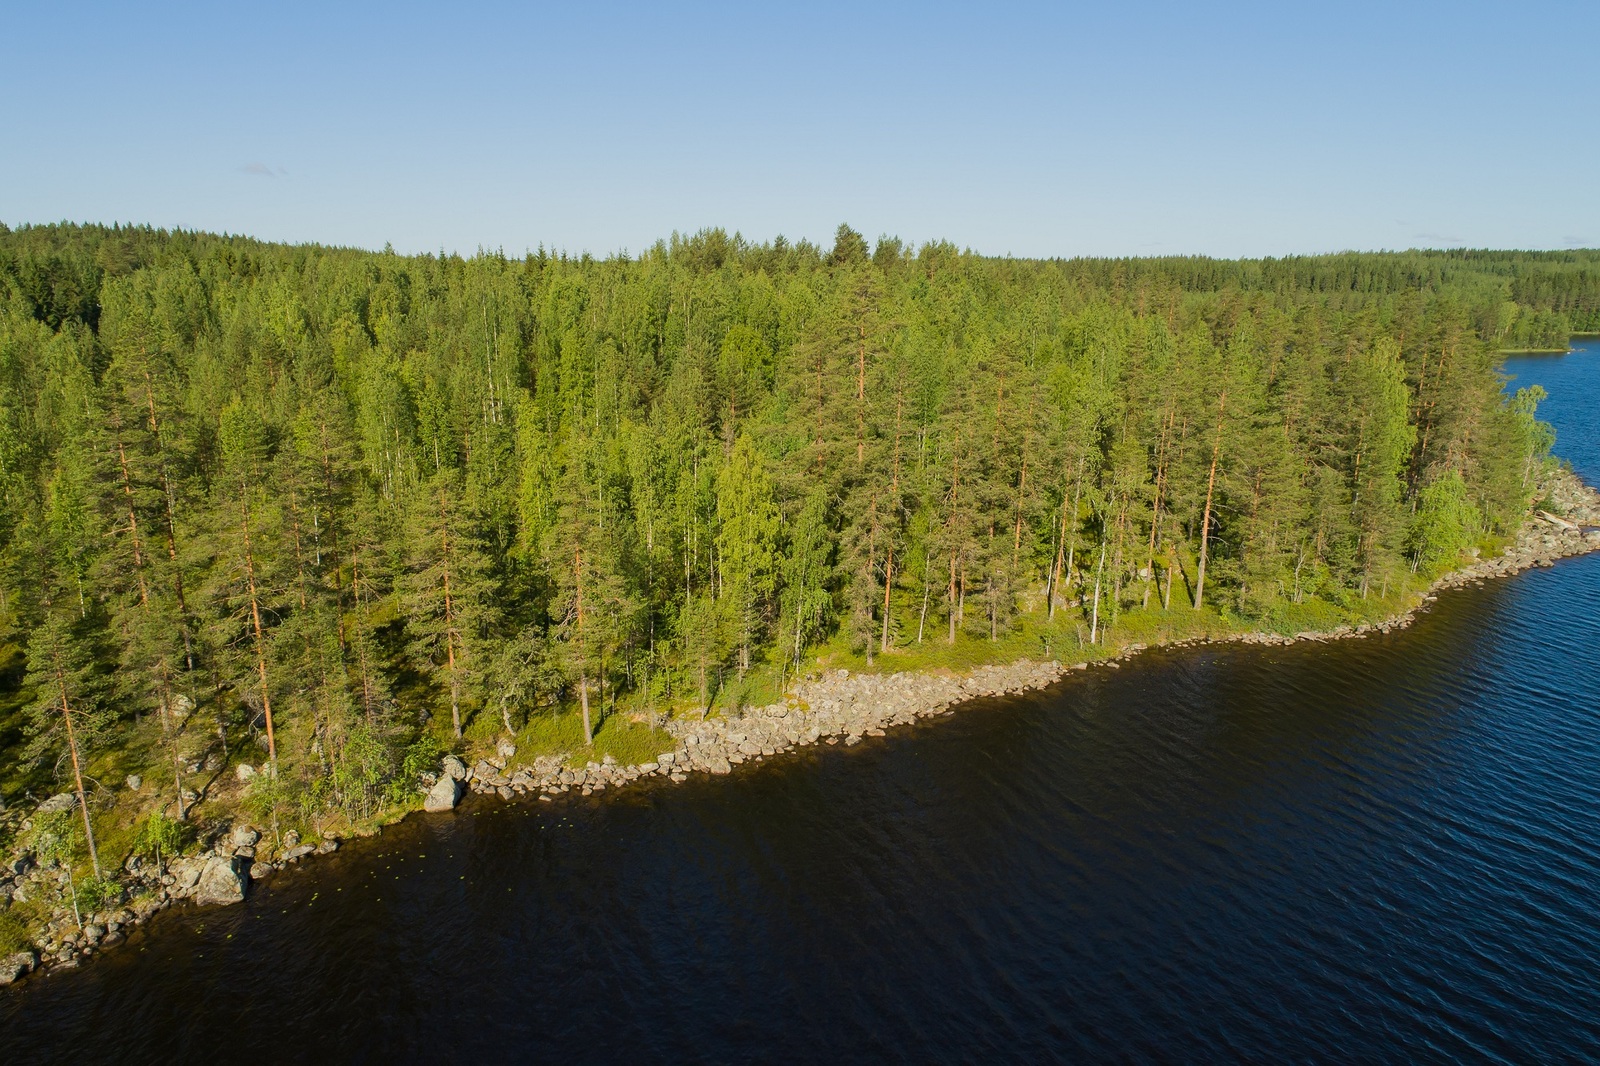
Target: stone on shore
<point x="220" y="882"/>
<point x="446" y="792"/>
<point x="17" y="964"/>
<point x="455" y="769"/>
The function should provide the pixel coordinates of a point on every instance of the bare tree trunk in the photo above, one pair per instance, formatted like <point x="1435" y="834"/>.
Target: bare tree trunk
<point x="927" y="588"/>
<point x="952" y="597"/>
<point x="260" y="641"/>
<point x="1094" y="618"/>
<point x="583" y="700"/>
<point x="77" y="769"/>
<point x="449" y="620"/>
<point x="1205" y="521"/>
<point x="583" y="667"/>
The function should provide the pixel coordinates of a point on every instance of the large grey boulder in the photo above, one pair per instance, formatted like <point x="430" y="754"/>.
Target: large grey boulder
<point x="60" y="802"/>
<point x="16" y="965"/>
<point x="444" y="795"/>
<point x="454" y="768"/>
<point x="220" y="882"/>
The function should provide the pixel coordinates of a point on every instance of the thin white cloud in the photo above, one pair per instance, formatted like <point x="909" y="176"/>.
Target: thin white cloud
<point x="261" y="170"/>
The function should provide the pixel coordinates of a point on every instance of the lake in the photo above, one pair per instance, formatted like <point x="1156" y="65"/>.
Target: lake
<point x="1378" y="849"/>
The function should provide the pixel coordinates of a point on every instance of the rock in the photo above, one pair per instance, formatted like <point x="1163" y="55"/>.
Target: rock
<point x="182" y="706"/>
<point x="244" y="771"/>
<point x="291" y="838"/>
<point x="454" y="768"/>
<point x="134" y="782"/>
<point x="59" y="803"/>
<point x="296" y="854"/>
<point x="220" y="882"/>
<point x="505" y="749"/>
<point x="17" y="964"/>
<point x="447" y="792"/>
<point x="94" y="933"/>
<point x="258" y="870"/>
<point x="243" y="836"/>
<point x="665" y="759"/>
<point x="327" y="847"/>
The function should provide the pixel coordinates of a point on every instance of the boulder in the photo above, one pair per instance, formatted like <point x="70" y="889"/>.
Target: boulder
<point x="134" y="782"/>
<point x="244" y="771"/>
<point x="243" y="836"/>
<point x="454" y="768"/>
<point x="506" y="749"/>
<point x="446" y="793"/>
<point x="185" y="875"/>
<point x="16" y="965"/>
<point x="59" y="803"/>
<point x="220" y="882"/>
<point x="259" y="870"/>
<point x="666" y="758"/>
<point x="297" y="853"/>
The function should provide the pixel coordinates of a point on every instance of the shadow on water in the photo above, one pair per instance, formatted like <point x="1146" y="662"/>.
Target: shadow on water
<point x="1381" y="849"/>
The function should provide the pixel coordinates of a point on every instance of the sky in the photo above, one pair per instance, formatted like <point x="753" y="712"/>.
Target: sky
<point x="1024" y="129"/>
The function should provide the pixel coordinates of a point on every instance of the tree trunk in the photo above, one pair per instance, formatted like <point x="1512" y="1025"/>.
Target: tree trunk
<point x="1094" y="618"/>
<point x="449" y="620"/>
<point x="583" y="701"/>
<point x="77" y="769"/>
<point x="260" y="641"/>
<point x="1205" y="521"/>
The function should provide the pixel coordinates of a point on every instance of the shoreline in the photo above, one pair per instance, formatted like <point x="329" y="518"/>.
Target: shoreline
<point x="836" y="707"/>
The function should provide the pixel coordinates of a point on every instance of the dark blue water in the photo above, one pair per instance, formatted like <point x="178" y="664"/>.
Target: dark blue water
<point x="1377" y="850"/>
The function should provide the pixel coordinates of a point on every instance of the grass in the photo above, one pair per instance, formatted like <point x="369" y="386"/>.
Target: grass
<point x="13" y="933"/>
<point x="617" y="734"/>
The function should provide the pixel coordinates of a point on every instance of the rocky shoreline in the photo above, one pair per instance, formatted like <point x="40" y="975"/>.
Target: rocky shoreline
<point x="835" y="708"/>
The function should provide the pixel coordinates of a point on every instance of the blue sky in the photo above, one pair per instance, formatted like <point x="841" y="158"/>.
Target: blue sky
<point x="1065" y="129"/>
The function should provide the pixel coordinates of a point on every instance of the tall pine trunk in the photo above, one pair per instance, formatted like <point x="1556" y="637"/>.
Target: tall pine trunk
<point x="260" y="640"/>
<point x="77" y="767"/>
<point x="1205" y="521"/>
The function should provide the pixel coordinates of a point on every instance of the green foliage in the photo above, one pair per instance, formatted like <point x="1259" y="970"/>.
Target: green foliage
<point x="14" y="934"/>
<point x="160" y="838"/>
<point x="328" y="495"/>
<point x="1446" y="522"/>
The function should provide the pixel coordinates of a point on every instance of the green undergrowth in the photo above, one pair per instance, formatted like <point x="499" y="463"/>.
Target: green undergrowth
<point x="616" y="734"/>
<point x="13" y="933"/>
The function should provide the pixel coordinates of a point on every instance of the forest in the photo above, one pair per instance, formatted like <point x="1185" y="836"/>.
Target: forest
<point x="332" y="511"/>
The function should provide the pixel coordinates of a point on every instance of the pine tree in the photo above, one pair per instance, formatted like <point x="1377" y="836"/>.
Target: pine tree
<point x="67" y="717"/>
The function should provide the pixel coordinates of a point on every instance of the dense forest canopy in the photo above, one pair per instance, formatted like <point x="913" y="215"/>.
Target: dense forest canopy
<point x="346" y="500"/>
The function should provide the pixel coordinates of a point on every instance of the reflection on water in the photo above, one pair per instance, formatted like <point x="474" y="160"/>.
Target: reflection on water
<point x="1376" y="849"/>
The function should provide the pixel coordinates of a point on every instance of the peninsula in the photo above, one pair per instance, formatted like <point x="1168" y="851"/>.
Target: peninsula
<point x="296" y="540"/>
